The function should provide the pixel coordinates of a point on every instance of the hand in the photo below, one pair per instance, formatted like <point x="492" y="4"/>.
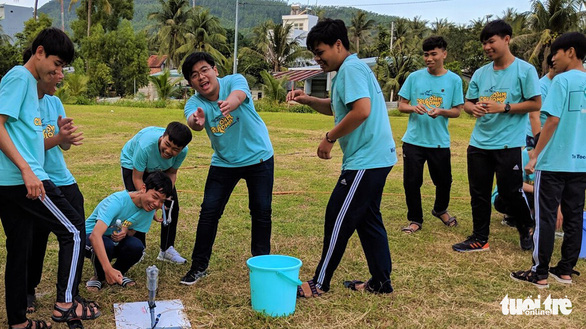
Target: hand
<point x="67" y="134"/>
<point x="226" y="107"/>
<point x="435" y="112"/>
<point x="298" y="96"/>
<point x="479" y="110"/>
<point x="419" y="109"/>
<point x="199" y="117"/>
<point x="119" y="236"/>
<point x="34" y="186"/>
<point x="324" y="149"/>
<point x="113" y="276"/>
<point x="158" y="219"/>
<point x="63" y="121"/>
<point x="493" y="107"/>
<point x="530" y="167"/>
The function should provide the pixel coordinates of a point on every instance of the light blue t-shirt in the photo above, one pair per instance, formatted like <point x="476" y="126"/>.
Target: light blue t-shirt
<point x="142" y="152"/>
<point x="19" y="101"/>
<point x="514" y="84"/>
<point x="371" y="145"/>
<point x="544" y="84"/>
<point x="566" y="150"/>
<point x="239" y="139"/>
<point x="443" y="92"/>
<point x="51" y="108"/>
<point x="119" y="205"/>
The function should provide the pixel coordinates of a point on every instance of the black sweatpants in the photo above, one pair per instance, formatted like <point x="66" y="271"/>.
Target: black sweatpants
<point x="440" y="171"/>
<point x="355" y="206"/>
<point x="41" y="236"/>
<point x="553" y="189"/>
<point x="482" y="167"/>
<point x="168" y="232"/>
<point x="18" y="214"/>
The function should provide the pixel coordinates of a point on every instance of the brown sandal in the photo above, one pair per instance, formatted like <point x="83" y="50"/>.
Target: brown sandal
<point x="39" y="324"/>
<point x="451" y="222"/>
<point x="308" y="289"/>
<point x="410" y="230"/>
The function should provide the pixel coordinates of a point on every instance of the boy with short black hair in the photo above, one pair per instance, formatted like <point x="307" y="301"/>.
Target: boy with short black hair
<point x="135" y="211"/>
<point x="158" y="149"/>
<point x="362" y="126"/>
<point x="242" y="150"/>
<point x="559" y="162"/>
<point x="499" y="96"/>
<point x="26" y="193"/>
<point x="430" y="96"/>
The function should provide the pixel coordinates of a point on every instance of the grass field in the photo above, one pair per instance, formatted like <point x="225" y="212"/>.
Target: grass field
<point x="435" y="287"/>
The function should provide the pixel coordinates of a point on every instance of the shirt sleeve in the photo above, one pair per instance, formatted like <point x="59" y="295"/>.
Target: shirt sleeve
<point x="238" y="82"/>
<point x="140" y="158"/>
<point x="405" y="90"/>
<point x="355" y="82"/>
<point x="472" y="92"/>
<point x="191" y="106"/>
<point x="109" y="209"/>
<point x="180" y="157"/>
<point x="10" y="99"/>
<point x="530" y="83"/>
<point x="556" y="99"/>
<point x="458" y="97"/>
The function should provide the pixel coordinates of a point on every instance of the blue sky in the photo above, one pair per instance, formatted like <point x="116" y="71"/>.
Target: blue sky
<point x="458" y="11"/>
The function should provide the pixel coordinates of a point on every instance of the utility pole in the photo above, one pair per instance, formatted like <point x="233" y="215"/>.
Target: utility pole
<point x="235" y="67"/>
<point x="392" y="33"/>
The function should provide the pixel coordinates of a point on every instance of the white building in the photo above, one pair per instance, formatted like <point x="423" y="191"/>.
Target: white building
<point x="301" y="23"/>
<point x="12" y="18"/>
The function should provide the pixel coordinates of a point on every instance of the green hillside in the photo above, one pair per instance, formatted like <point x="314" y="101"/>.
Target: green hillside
<point x="251" y="13"/>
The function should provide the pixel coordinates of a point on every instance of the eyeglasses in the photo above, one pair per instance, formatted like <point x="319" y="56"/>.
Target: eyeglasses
<point x="203" y="71"/>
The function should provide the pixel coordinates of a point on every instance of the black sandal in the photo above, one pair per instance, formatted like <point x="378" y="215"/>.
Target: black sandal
<point x="30" y="303"/>
<point x="451" y="222"/>
<point x="352" y="286"/>
<point x="528" y="276"/>
<point x="87" y="311"/>
<point x="312" y="287"/>
<point x="410" y="230"/>
<point x="39" y="324"/>
<point x="75" y="324"/>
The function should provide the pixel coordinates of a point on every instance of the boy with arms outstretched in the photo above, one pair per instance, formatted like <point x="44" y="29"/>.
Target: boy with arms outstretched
<point x="431" y="96"/>
<point x="559" y="162"/>
<point x="362" y="126"/>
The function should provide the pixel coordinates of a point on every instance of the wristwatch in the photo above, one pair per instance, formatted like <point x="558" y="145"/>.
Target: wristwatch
<point x="507" y="108"/>
<point x="328" y="138"/>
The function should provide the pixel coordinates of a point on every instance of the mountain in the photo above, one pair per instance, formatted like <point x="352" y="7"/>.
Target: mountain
<point x="250" y="13"/>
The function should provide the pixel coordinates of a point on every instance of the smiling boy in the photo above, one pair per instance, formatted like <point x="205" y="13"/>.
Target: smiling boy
<point x="158" y="149"/>
<point x="499" y="96"/>
<point x="242" y="150"/>
<point x="430" y="96"/>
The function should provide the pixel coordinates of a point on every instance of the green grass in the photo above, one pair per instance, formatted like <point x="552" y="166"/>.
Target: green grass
<point x="434" y="286"/>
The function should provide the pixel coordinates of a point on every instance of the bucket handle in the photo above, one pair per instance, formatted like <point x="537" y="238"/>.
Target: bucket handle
<point x="296" y="282"/>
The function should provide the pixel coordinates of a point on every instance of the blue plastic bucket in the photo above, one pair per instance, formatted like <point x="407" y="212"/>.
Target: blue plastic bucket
<point x="583" y="249"/>
<point x="273" y="283"/>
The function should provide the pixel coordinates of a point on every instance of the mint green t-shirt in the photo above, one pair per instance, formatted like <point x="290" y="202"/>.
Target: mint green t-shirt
<point x="566" y="150"/>
<point x="514" y="84"/>
<point x="371" y="145"/>
<point x="443" y="92"/>
<point x="55" y="166"/>
<point x="119" y="205"/>
<point x="240" y="138"/>
<point x="19" y="101"/>
<point x="142" y="152"/>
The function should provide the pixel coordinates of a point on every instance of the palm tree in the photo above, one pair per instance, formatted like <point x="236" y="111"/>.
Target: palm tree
<point x="360" y="25"/>
<point x="441" y="26"/>
<point x="105" y="5"/>
<point x="393" y="71"/>
<point x="35" y="10"/>
<point x="170" y="26"/>
<point x="62" y="17"/>
<point x="164" y="87"/>
<point x="203" y="32"/>
<point x="273" y="89"/>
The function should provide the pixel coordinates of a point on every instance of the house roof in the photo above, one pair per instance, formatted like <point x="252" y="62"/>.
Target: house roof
<point x="155" y="62"/>
<point x="298" y="74"/>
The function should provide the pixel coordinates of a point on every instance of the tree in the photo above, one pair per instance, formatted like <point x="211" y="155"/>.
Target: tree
<point x="273" y="89"/>
<point x="164" y="87"/>
<point x="170" y="28"/>
<point x="32" y="27"/>
<point x="441" y="26"/>
<point x="360" y="26"/>
<point x="203" y="32"/>
<point x="90" y="7"/>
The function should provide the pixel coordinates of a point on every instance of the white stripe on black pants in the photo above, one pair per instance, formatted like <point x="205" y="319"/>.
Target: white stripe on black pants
<point x="551" y="190"/>
<point x="17" y="214"/>
<point x="355" y="206"/>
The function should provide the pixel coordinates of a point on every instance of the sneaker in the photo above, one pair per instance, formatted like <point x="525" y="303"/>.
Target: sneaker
<point x="193" y="276"/>
<point x="526" y="239"/>
<point x="171" y="255"/>
<point x="528" y="276"/>
<point x="471" y="244"/>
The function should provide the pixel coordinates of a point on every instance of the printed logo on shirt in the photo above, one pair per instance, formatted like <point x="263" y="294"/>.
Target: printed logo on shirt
<point x="49" y="131"/>
<point x="222" y="123"/>
<point x="38" y="122"/>
<point x="497" y="96"/>
<point x="431" y="101"/>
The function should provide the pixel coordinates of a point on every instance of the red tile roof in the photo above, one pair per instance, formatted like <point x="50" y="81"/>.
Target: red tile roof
<point x="297" y="75"/>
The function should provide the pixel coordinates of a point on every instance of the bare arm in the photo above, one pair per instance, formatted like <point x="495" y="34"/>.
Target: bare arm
<point x="231" y="102"/>
<point x="405" y="107"/>
<point x="172" y="173"/>
<point x="535" y="122"/>
<point x="112" y="275"/>
<point x="530" y="105"/>
<point x="137" y="179"/>
<point x="321" y="105"/>
<point x="454" y="112"/>
<point x="34" y="186"/>
<point x="359" y="113"/>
